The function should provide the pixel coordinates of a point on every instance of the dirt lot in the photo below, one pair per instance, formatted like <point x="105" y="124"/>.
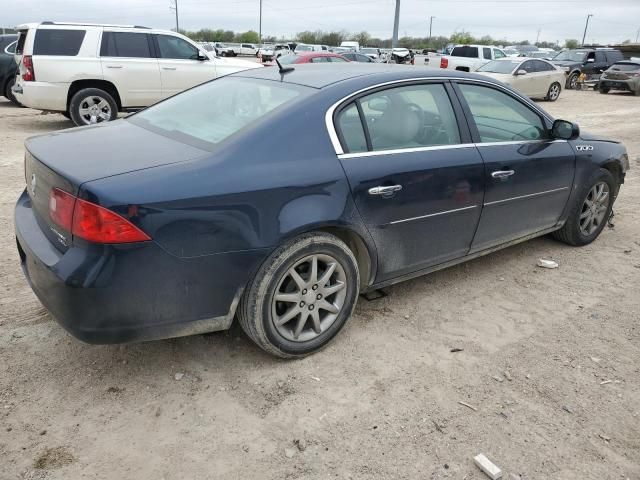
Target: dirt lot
<point x="550" y="360"/>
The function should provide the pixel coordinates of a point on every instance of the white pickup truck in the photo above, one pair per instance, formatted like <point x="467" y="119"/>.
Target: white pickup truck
<point x="243" y="49"/>
<point x="468" y="58"/>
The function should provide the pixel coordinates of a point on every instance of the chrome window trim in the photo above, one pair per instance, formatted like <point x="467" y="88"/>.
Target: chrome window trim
<point x="431" y="215"/>
<point x="496" y="202"/>
<point x="331" y="129"/>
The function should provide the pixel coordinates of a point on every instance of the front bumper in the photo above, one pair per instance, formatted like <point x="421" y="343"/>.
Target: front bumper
<point x="116" y="294"/>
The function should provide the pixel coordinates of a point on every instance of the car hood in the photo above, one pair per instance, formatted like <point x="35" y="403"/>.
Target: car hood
<point x="90" y="153"/>
<point x="239" y="63"/>
<point x="588" y="137"/>
<point x="566" y="63"/>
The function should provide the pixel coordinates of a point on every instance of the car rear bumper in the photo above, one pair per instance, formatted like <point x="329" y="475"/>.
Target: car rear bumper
<point x="627" y="85"/>
<point x="42" y="95"/>
<point x="117" y="294"/>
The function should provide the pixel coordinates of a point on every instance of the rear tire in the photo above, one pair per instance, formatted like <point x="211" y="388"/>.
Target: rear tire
<point x="554" y="92"/>
<point x="9" y="94"/>
<point x="288" y="310"/>
<point x="92" y="105"/>
<point x="586" y="207"/>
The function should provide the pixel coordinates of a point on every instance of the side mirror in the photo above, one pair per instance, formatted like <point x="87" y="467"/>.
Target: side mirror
<point x="565" y="130"/>
<point x="521" y="72"/>
<point x="202" y="57"/>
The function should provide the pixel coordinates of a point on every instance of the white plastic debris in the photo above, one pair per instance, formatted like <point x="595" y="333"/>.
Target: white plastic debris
<point x="547" y="263"/>
<point x="488" y="467"/>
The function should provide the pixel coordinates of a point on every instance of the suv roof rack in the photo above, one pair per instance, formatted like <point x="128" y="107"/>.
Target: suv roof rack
<point x="80" y="24"/>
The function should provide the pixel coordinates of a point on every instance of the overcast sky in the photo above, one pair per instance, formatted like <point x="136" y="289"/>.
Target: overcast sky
<point x="613" y="20"/>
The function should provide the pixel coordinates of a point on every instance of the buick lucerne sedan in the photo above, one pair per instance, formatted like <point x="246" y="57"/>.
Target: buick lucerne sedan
<point x="276" y="196"/>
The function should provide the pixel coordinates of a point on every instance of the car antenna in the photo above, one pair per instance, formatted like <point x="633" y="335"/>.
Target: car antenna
<point x="282" y="69"/>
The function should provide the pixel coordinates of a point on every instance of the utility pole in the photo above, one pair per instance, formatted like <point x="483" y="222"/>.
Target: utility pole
<point x="260" y="26"/>
<point x="585" y="28"/>
<point x="176" y="9"/>
<point x="538" y="37"/>
<point x="637" y="35"/>
<point x="430" y="25"/>
<point x="396" y="22"/>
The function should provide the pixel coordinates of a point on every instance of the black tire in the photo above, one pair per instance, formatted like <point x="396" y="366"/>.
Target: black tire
<point x="9" y="94"/>
<point x="571" y="233"/>
<point x="255" y="312"/>
<point x="79" y="98"/>
<point x="572" y="81"/>
<point x="223" y="54"/>
<point x="603" y="90"/>
<point x="554" y="92"/>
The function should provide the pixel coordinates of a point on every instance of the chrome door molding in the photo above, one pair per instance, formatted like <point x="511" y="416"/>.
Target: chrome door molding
<point x="432" y="215"/>
<point x="530" y="195"/>
<point x="335" y="140"/>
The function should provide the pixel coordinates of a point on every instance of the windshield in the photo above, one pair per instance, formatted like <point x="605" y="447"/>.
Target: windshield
<point x="304" y="48"/>
<point x="570" y="55"/>
<point x="500" y="66"/>
<point x="206" y="115"/>
<point x="625" y="67"/>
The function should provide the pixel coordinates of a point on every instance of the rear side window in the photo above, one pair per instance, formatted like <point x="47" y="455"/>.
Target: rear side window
<point x="125" y="44"/>
<point x="466" y="51"/>
<point x="543" y="66"/>
<point x="614" y="56"/>
<point x="64" y="43"/>
<point x="351" y="130"/>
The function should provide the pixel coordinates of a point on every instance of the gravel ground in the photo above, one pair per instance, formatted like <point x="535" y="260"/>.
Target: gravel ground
<point x="549" y="362"/>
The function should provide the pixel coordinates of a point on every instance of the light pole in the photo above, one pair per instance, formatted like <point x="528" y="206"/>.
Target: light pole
<point x="176" y="9"/>
<point x="584" y="35"/>
<point x="430" y="25"/>
<point x="260" y="26"/>
<point x="396" y="22"/>
<point x="637" y="35"/>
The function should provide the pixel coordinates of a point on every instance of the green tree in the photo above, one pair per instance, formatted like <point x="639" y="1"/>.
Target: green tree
<point x="462" y="37"/>
<point x="571" y="43"/>
<point x="306" y="37"/>
<point x="248" y="37"/>
<point x="228" y="36"/>
<point x="363" y="38"/>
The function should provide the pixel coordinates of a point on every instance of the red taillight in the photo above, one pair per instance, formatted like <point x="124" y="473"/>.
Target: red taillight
<point x="90" y="221"/>
<point x="61" y="208"/>
<point x="444" y="62"/>
<point x="28" y="74"/>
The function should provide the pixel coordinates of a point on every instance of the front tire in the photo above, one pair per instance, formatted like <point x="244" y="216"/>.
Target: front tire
<point x="301" y="296"/>
<point x="92" y="105"/>
<point x="554" y="92"/>
<point x="572" y="82"/>
<point x="590" y="211"/>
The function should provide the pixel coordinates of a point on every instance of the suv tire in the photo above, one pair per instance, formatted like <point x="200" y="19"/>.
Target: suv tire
<point x="92" y="105"/>
<point x="573" y="232"/>
<point x="293" y="308"/>
<point x="572" y="81"/>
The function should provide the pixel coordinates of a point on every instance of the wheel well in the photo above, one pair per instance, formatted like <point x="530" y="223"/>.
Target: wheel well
<point x="359" y="249"/>
<point x="108" y="87"/>
<point x="615" y="170"/>
<point x="462" y="69"/>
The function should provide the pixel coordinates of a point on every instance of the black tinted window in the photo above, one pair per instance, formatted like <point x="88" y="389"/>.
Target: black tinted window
<point x="614" y="56"/>
<point x="125" y="44"/>
<point x="176" y="48"/>
<point x="486" y="53"/>
<point x="543" y="66"/>
<point x="600" y="58"/>
<point x="58" y="42"/>
<point x="471" y="52"/>
<point x="11" y="48"/>
<point x="21" y="39"/>
<point x="528" y="67"/>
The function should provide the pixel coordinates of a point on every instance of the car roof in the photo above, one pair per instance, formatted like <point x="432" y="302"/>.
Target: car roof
<point x="321" y="75"/>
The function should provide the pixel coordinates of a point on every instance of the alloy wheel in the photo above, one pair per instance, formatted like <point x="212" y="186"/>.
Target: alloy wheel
<point x="594" y="208"/>
<point x="309" y="298"/>
<point x="554" y="92"/>
<point x="94" y="109"/>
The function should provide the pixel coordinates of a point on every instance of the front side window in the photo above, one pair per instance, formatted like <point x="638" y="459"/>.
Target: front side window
<point x="498" y="53"/>
<point x="500" y="117"/>
<point x="176" y="48"/>
<point x="206" y="115"/>
<point x="125" y="44"/>
<point x="60" y="42"/>
<point x="528" y="66"/>
<point x="410" y="117"/>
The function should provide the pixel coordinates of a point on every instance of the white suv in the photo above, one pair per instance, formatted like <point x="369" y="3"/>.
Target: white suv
<point x="91" y="72"/>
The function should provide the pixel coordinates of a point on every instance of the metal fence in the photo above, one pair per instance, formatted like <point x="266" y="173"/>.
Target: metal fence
<point x="5" y="31"/>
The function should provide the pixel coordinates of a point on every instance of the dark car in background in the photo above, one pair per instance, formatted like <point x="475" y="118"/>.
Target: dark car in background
<point x="8" y="66"/>
<point x="278" y="195"/>
<point x="311" y="57"/>
<point x="590" y="61"/>
<point x="623" y="76"/>
<point x="358" y="57"/>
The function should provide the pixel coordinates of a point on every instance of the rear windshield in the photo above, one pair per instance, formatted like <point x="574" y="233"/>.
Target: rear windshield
<point x="500" y="66"/>
<point x="287" y="59"/>
<point x="58" y="42"/>
<point x="304" y="48"/>
<point x="206" y="115"/>
<point x="470" y="52"/>
<point x="625" y="67"/>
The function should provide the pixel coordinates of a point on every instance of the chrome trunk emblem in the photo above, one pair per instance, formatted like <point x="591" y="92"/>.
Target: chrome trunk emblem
<point x="33" y="185"/>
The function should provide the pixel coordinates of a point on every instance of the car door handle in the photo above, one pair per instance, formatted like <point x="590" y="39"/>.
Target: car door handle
<point x="502" y="173"/>
<point x="114" y="66"/>
<point x="168" y="68"/>
<point x="390" y="190"/>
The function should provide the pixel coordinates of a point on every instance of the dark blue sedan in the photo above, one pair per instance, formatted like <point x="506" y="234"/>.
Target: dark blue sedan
<point x="277" y="196"/>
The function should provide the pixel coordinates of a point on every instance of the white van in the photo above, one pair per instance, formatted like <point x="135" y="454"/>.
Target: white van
<point x="90" y="72"/>
<point x="355" y="46"/>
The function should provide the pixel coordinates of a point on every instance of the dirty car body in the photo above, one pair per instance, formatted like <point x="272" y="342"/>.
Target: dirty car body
<point x="205" y="210"/>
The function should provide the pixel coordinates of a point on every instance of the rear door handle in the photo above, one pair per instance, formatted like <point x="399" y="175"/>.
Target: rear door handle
<point x="502" y="173"/>
<point x="168" y="68"/>
<point x="114" y="66"/>
<point x="390" y="190"/>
